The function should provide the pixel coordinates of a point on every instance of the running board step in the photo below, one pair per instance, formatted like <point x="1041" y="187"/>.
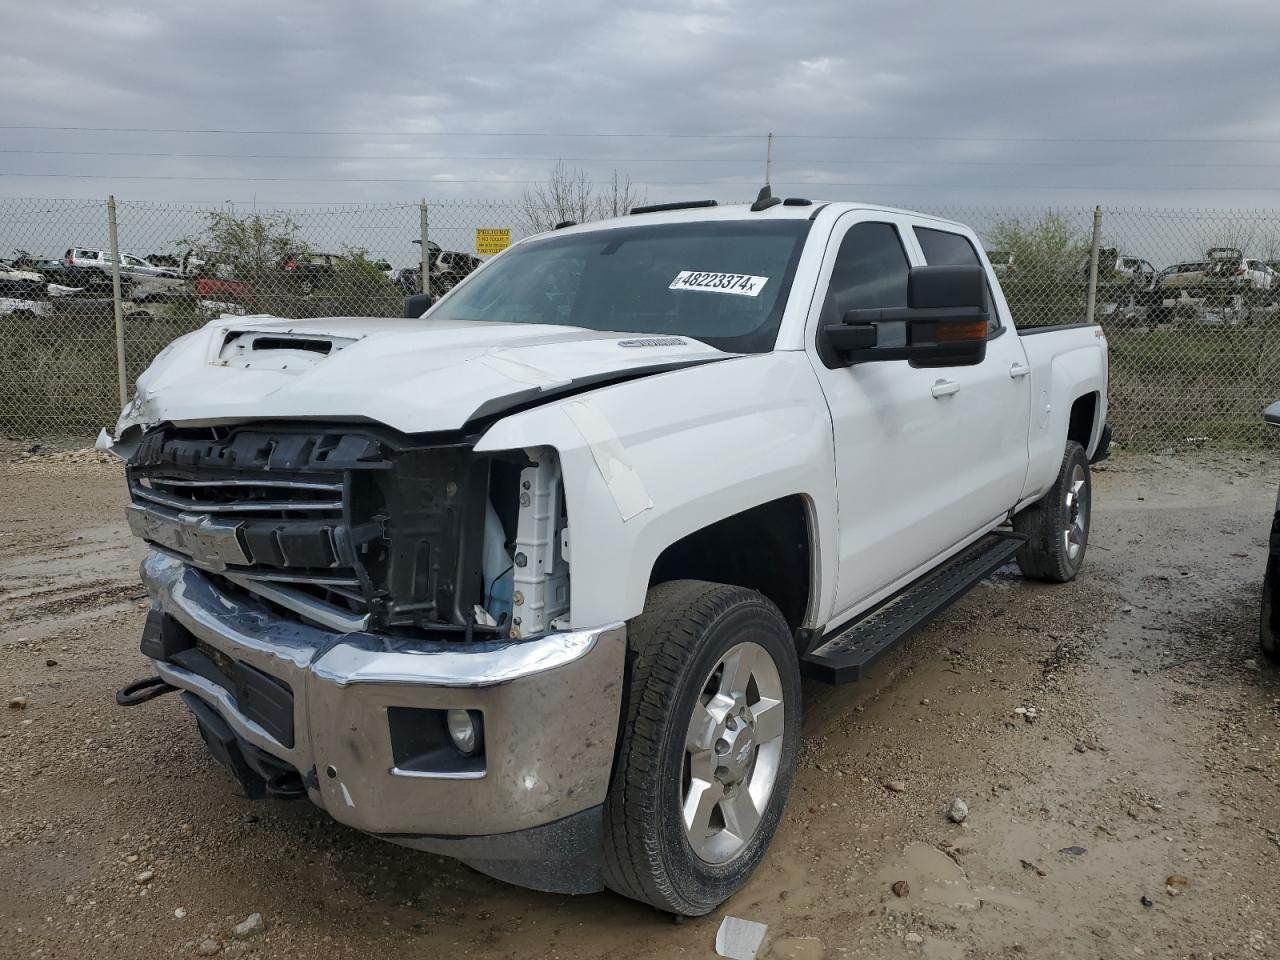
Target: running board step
<point x="842" y="657"/>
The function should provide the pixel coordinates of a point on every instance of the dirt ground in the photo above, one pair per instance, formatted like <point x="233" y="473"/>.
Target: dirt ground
<point x="1148" y="748"/>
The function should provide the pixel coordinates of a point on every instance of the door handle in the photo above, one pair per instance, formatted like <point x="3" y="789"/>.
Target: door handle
<point x="944" y="388"/>
<point x="1019" y="370"/>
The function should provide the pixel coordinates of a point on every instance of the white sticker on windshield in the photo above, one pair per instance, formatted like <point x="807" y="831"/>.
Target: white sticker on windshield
<point x="742" y="284"/>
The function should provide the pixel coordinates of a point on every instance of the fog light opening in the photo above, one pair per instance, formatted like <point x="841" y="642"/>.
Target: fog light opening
<point x="466" y="730"/>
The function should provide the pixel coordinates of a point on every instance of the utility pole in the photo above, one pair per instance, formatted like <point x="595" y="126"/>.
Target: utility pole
<point x="1091" y="293"/>
<point x="425" y="255"/>
<point x="117" y="305"/>
<point x="768" y="160"/>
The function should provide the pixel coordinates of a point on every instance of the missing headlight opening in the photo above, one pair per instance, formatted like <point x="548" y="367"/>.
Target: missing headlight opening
<point x="363" y="530"/>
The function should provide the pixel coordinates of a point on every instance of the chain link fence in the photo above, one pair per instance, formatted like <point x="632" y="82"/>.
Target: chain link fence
<point x="1188" y="298"/>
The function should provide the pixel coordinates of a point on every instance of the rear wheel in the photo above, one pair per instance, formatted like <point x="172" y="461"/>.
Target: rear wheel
<point x="1057" y="527"/>
<point x="707" y="753"/>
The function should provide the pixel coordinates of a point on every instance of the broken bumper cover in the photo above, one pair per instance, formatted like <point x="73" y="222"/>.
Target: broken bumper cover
<point x="527" y="810"/>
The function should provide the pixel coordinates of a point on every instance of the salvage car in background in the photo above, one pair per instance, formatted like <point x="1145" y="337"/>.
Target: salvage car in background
<point x="1186" y="277"/>
<point x="20" y="283"/>
<point x="135" y="268"/>
<point x="448" y="268"/>
<point x="310" y="270"/>
<point x="1230" y="272"/>
<point x="1124" y="283"/>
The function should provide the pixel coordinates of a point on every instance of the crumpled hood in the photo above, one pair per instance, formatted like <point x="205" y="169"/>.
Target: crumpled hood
<point x="412" y="375"/>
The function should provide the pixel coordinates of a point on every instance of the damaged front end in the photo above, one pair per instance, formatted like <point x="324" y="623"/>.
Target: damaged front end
<point x="361" y="529"/>
<point x="381" y="623"/>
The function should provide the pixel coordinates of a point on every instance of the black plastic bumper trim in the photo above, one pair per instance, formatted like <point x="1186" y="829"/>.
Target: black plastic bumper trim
<point x="563" y="856"/>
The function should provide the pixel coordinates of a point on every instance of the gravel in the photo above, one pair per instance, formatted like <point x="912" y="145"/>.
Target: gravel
<point x="1177" y="779"/>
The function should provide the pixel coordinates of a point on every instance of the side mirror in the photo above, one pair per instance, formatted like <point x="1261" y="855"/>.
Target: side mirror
<point x="943" y="325"/>
<point x="416" y="305"/>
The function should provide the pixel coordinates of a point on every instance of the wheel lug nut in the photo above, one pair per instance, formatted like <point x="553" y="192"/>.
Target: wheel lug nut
<point x="722" y="746"/>
<point x="722" y="774"/>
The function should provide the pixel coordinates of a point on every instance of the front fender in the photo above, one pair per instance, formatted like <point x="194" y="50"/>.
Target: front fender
<point x="648" y="462"/>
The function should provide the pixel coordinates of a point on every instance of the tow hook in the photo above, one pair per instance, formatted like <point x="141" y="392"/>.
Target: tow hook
<point x="140" y="691"/>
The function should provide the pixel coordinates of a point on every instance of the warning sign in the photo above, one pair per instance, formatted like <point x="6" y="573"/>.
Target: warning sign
<point x="490" y="240"/>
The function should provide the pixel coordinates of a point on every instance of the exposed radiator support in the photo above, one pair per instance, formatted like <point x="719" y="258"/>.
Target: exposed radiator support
<point x="541" y="572"/>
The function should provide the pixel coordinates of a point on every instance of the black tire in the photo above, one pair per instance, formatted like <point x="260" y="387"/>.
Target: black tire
<point x="1267" y="633"/>
<point x="674" y="650"/>
<point x="1049" y="554"/>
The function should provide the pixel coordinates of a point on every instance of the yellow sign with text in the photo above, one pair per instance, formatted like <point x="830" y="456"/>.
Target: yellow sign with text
<point x="490" y="240"/>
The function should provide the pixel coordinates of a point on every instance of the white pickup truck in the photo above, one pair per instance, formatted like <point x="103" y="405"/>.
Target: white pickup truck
<point x="531" y="579"/>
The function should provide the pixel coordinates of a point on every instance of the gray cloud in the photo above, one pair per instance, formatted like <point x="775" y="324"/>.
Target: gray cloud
<point x="981" y="69"/>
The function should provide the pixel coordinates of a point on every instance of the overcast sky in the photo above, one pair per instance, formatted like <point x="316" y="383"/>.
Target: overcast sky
<point x="974" y="103"/>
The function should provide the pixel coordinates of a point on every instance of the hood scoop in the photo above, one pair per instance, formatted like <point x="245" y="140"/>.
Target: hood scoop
<point x="653" y="342"/>
<point x="261" y="350"/>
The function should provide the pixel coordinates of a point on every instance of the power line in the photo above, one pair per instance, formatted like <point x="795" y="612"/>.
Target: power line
<point x="646" y="135"/>
<point x="386" y="133"/>
<point x="877" y="161"/>
<point x="718" y="183"/>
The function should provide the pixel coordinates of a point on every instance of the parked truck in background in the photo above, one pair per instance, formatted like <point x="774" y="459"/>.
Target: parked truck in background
<point x="531" y="580"/>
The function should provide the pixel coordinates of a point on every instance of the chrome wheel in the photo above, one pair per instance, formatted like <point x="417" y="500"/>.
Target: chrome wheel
<point x="1076" y="531"/>
<point x="732" y="752"/>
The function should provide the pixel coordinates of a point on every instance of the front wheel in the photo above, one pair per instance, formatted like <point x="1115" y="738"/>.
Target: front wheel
<point x="708" y="746"/>
<point x="1057" y="526"/>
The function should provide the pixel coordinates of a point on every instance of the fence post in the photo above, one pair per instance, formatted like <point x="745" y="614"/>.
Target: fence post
<point x="117" y="303"/>
<point x="424" y="282"/>
<point x="1091" y="299"/>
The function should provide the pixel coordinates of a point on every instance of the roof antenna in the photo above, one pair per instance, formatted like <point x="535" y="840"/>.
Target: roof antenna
<point x="765" y="200"/>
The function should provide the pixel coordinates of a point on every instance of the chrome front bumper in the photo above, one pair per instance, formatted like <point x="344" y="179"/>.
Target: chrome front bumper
<point x="550" y="707"/>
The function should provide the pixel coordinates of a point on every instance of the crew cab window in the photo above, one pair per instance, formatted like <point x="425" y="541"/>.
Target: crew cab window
<point x="723" y="282"/>
<point x="944" y="249"/>
<point x="870" y="270"/>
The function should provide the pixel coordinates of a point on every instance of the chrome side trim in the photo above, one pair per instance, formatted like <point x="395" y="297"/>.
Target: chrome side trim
<point x="303" y="605"/>
<point x="457" y="665"/>
<point x="284" y="484"/>
<point x="211" y="542"/>
<point x="438" y="775"/>
<point x="281" y="576"/>
<point x="240" y="506"/>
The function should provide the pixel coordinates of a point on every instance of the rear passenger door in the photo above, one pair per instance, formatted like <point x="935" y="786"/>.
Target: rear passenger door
<point x="991" y="402"/>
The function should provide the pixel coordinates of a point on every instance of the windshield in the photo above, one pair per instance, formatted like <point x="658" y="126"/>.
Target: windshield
<point x="723" y="282"/>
